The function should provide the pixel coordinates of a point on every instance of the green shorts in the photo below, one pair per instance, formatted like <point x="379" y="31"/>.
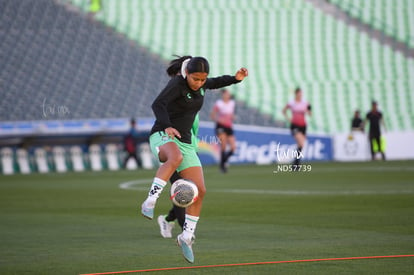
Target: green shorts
<point x="190" y="157"/>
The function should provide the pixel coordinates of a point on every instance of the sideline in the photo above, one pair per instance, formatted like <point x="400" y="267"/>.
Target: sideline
<point x="245" y="264"/>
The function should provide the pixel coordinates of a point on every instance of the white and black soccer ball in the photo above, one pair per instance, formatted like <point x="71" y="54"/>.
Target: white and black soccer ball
<point x="184" y="193"/>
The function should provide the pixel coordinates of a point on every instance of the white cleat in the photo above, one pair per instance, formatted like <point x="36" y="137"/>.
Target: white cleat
<point x="165" y="227"/>
<point x="186" y="248"/>
<point x="146" y="211"/>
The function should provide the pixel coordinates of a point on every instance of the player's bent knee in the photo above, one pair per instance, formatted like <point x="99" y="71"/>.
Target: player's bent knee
<point x="201" y="191"/>
<point x="175" y="160"/>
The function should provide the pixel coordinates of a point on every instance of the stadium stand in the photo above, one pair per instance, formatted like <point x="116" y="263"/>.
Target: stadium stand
<point x="284" y="44"/>
<point x="394" y="18"/>
<point x="58" y="63"/>
<point x="56" y="60"/>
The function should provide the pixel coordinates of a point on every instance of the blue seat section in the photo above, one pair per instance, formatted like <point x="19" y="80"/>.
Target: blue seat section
<point x="58" y="64"/>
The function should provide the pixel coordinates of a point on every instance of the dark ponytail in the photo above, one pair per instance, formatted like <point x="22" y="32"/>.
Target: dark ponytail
<point x="195" y="65"/>
<point x="175" y="65"/>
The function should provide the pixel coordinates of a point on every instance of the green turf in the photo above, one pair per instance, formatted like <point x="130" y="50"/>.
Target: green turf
<point x="84" y="223"/>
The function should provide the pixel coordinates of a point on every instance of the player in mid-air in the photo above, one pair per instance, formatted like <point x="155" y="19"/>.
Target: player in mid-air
<point x="166" y="222"/>
<point x="299" y="108"/>
<point x="175" y="109"/>
<point x="223" y="115"/>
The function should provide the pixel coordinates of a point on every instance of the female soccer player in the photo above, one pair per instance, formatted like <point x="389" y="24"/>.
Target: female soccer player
<point x="166" y="222"/>
<point x="175" y="109"/>
<point x="223" y="115"/>
<point x="299" y="109"/>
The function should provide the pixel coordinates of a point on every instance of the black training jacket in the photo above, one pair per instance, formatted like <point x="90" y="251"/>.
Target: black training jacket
<point x="177" y="105"/>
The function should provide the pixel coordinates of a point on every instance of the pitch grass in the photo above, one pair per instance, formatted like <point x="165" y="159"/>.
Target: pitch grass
<point x="84" y="223"/>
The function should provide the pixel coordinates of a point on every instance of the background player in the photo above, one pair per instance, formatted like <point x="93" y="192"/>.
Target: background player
<point x="299" y="108"/>
<point x="357" y="124"/>
<point x="375" y="121"/>
<point x="130" y="145"/>
<point x="223" y="114"/>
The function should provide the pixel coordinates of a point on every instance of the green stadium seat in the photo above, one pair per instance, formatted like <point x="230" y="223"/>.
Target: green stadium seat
<point x="394" y="18"/>
<point x="284" y="44"/>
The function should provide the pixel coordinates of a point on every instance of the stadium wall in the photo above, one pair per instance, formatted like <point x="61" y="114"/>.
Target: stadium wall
<point x="355" y="146"/>
<point x="263" y="145"/>
<point x="255" y="144"/>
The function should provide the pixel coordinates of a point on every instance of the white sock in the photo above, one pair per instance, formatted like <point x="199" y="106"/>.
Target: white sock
<point x="190" y="225"/>
<point x="155" y="191"/>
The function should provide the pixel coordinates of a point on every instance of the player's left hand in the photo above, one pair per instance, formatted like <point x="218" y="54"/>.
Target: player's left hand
<point x="241" y="74"/>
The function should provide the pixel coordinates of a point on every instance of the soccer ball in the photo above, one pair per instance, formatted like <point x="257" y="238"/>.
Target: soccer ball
<point x="184" y="193"/>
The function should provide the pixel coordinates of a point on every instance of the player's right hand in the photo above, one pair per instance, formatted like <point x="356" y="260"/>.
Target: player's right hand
<point x="172" y="132"/>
